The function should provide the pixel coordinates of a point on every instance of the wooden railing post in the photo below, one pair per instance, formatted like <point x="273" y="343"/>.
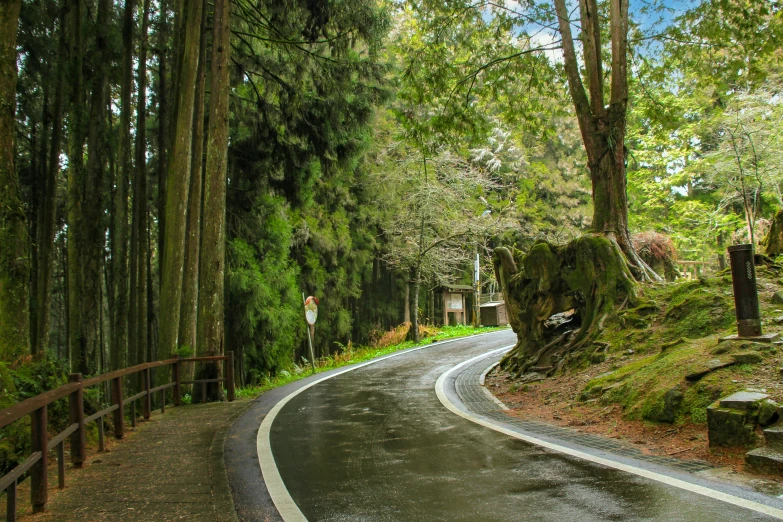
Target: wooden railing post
<point x="78" y="438"/>
<point x="119" y="413"/>
<point x="147" y="409"/>
<point x="39" y="473"/>
<point x="176" y="383"/>
<point x="10" y="503"/>
<point x="230" y="376"/>
<point x="61" y="465"/>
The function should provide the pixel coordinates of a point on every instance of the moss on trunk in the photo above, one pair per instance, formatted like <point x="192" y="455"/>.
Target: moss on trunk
<point x="773" y="243"/>
<point x="14" y="259"/>
<point x="589" y="276"/>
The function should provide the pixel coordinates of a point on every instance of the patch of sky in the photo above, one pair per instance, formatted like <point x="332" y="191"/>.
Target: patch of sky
<point x="536" y="25"/>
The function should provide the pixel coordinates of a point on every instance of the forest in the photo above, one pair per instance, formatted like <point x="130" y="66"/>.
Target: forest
<point x="176" y="174"/>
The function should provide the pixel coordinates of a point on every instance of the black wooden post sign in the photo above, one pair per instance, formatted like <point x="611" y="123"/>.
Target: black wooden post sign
<point x="746" y="298"/>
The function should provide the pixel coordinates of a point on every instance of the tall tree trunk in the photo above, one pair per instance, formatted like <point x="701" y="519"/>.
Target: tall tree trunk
<point x="92" y="224"/>
<point x="76" y="341"/>
<point x="137" y="316"/>
<point x="414" y="312"/>
<point x="603" y="128"/>
<point x="419" y="260"/>
<point x="188" y="315"/>
<point x="213" y="242"/>
<point x="36" y="202"/>
<point x="406" y="313"/>
<point x="14" y="261"/>
<point x="119" y="236"/>
<point x="149" y="324"/>
<point x="177" y="188"/>
<point x="164" y="117"/>
<point x="48" y="205"/>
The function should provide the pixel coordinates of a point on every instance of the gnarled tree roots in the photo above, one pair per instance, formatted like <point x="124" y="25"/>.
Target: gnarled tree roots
<point x="558" y="297"/>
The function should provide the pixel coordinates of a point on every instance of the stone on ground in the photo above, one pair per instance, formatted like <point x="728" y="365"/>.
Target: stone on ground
<point x="765" y="459"/>
<point x="774" y="437"/>
<point x="768" y="412"/>
<point x="730" y="427"/>
<point x="732" y="421"/>
<point x="747" y="358"/>
<point x="709" y="366"/>
<point x="744" y="400"/>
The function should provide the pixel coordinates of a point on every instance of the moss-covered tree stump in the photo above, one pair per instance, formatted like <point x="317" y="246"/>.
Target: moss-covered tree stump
<point x="585" y="281"/>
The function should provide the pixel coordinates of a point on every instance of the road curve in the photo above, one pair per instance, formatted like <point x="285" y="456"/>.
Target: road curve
<point x="376" y="443"/>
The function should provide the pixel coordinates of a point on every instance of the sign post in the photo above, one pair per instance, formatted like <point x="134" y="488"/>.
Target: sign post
<point x="476" y="290"/>
<point x="746" y="298"/>
<point x="311" y="314"/>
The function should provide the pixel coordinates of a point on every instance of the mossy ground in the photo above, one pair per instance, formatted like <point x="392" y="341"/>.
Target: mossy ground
<point x="644" y="352"/>
<point x="653" y="347"/>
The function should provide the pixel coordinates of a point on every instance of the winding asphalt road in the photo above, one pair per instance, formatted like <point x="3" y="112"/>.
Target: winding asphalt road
<point x="377" y="444"/>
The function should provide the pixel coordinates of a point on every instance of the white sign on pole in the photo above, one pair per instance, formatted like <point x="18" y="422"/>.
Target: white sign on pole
<point x="311" y="309"/>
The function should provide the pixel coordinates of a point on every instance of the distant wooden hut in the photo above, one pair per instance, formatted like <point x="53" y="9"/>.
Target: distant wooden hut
<point x="493" y="313"/>
<point x="453" y="304"/>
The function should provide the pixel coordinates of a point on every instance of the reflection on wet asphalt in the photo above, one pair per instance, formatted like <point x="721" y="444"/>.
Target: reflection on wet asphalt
<point x="375" y="444"/>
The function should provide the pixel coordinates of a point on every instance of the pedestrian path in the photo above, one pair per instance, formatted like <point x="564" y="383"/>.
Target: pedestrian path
<point x="170" y="468"/>
<point x="475" y="398"/>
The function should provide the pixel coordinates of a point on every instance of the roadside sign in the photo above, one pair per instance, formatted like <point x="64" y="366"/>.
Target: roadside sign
<point x="311" y="309"/>
<point x="311" y="314"/>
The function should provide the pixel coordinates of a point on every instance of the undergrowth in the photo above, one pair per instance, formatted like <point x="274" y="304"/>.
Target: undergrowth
<point x="355" y="354"/>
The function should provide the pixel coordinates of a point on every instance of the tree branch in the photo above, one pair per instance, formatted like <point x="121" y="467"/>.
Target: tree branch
<point x="591" y="38"/>
<point x="619" y="32"/>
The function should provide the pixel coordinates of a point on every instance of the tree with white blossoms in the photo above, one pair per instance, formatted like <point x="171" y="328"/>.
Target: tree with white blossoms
<point x="436" y="218"/>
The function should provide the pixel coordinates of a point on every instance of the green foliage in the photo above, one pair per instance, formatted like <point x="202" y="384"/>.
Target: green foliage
<point x="184" y="351"/>
<point x="693" y="107"/>
<point x="353" y="355"/>
<point x="24" y="379"/>
<point x="300" y="218"/>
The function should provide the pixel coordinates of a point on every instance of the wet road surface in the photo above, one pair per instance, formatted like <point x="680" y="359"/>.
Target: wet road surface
<point x="375" y="444"/>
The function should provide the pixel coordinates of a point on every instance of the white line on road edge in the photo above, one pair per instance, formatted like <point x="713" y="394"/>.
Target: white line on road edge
<point x="285" y="505"/>
<point x="670" y="481"/>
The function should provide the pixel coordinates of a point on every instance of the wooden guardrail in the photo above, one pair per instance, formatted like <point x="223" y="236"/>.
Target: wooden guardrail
<point x="36" y="407"/>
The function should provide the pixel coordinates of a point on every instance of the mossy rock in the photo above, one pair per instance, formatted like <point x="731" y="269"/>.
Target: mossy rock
<point x="747" y="358"/>
<point x="757" y="347"/>
<point x="730" y="428"/>
<point x="768" y="412"/>
<point x="723" y="347"/>
<point x="666" y="408"/>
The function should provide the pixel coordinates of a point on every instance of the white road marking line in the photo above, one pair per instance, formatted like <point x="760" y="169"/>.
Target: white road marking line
<point x="658" y="477"/>
<point x="285" y="505"/>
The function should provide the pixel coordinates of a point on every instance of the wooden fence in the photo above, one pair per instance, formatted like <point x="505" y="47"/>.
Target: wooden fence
<point x="36" y="407"/>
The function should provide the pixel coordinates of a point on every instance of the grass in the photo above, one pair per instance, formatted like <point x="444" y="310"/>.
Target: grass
<point x="353" y="355"/>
